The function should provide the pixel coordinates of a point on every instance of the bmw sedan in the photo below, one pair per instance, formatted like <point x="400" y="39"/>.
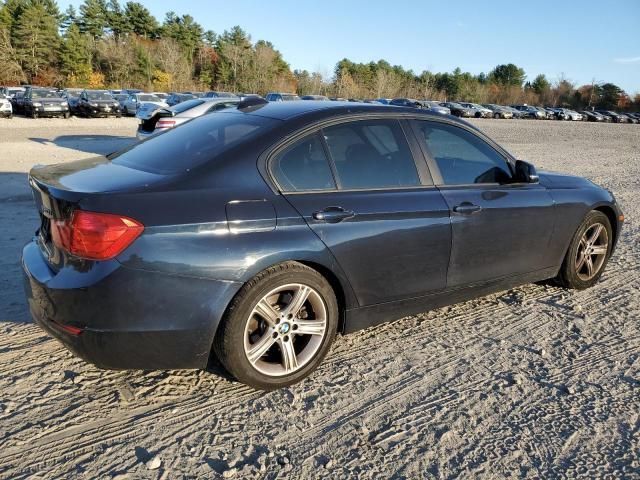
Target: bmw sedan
<point x="257" y="234"/>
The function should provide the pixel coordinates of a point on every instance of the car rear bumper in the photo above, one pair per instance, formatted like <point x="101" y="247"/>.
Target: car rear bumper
<point x="121" y="318"/>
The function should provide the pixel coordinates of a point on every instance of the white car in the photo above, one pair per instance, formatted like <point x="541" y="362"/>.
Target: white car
<point x="6" y="110"/>
<point x="573" y="115"/>
<point x="137" y="100"/>
<point x="152" y="123"/>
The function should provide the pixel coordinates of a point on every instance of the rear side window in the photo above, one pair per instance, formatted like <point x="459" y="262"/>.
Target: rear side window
<point x="371" y="154"/>
<point x="462" y="157"/>
<point x="194" y="143"/>
<point x="303" y="166"/>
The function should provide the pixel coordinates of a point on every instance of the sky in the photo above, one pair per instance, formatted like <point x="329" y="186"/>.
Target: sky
<point x="581" y="40"/>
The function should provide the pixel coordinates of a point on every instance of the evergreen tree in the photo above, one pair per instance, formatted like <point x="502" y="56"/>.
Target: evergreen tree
<point x="116" y="20"/>
<point x="140" y="20"/>
<point x="36" y="38"/>
<point x="93" y="17"/>
<point x="75" y="56"/>
<point x="70" y="17"/>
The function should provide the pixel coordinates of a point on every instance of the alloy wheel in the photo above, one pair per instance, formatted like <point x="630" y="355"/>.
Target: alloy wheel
<point x="285" y="329"/>
<point x="592" y="251"/>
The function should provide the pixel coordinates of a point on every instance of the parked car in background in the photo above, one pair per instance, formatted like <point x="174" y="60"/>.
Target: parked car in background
<point x="630" y="118"/>
<point x="44" y="102"/>
<point x="166" y="118"/>
<point x="498" y="111"/>
<point x="244" y="96"/>
<point x="435" y="106"/>
<point x="589" y="116"/>
<point x="10" y="92"/>
<point x="121" y="98"/>
<point x="315" y="97"/>
<point x="17" y="101"/>
<point x="98" y="103"/>
<point x="478" y="110"/>
<point x="406" y="102"/>
<point x="160" y="95"/>
<point x="134" y="102"/>
<point x="529" y="111"/>
<point x="132" y="91"/>
<point x="517" y="114"/>
<point x="383" y="101"/>
<point x="217" y="94"/>
<point x="176" y="98"/>
<point x="281" y="97"/>
<point x="72" y="96"/>
<point x="615" y="118"/>
<point x="255" y="235"/>
<point x="458" y="110"/>
<point x="6" y="109"/>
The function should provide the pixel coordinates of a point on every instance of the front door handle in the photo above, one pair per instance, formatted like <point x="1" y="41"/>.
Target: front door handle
<point x="467" y="208"/>
<point x="332" y="214"/>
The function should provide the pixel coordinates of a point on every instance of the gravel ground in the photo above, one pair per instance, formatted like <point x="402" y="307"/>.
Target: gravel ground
<point x="536" y="382"/>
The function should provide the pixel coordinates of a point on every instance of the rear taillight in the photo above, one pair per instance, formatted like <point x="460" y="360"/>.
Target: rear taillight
<point x="95" y="236"/>
<point x="166" y="124"/>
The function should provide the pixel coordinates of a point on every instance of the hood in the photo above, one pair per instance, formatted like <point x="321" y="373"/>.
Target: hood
<point x="563" y="180"/>
<point x="48" y="100"/>
<point x="94" y="175"/>
<point x="113" y="102"/>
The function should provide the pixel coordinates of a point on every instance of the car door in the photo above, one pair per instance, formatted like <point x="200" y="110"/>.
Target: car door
<point x="359" y="189"/>
<point x="500" y="227"/>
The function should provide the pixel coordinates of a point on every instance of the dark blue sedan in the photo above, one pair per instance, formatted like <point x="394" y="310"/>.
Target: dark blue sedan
<point x="256" y="234"/>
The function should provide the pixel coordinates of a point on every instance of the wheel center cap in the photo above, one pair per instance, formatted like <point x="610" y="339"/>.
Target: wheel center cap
<point x="284" y="328"/>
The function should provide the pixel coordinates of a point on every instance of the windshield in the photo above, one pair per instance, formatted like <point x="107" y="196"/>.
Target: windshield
<point x="99" y="96"/>
<point x="194" y="143"/>
<point x="148" y="98"/>
<point x="44" y="94"/>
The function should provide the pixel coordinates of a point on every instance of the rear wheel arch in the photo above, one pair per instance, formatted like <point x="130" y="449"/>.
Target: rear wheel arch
<point x="336" y="285"/>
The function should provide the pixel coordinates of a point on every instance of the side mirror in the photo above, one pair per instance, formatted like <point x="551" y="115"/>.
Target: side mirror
<point x="526" y="172"/>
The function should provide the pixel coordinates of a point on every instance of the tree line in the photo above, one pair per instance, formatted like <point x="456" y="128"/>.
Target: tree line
<point x="108" y="44"/>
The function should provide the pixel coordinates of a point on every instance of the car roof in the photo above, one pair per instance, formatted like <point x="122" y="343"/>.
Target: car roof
<point x="320" y="108"/>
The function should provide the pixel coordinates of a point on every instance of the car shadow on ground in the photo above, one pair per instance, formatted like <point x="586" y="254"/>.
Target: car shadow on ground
<point x="95" y="144"/>
<point x="18" y="213"/>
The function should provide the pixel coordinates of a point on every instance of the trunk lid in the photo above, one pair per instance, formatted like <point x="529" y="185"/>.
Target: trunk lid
<point x="59" y="190"/>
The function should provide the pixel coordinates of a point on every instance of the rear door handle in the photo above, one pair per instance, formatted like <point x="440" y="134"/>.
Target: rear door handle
<point x="332" y="214"/>
<point x="467" y="208"/>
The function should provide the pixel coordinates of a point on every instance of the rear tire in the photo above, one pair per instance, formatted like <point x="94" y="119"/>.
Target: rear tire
<point x="263" y="350"/>
<point x="588" y="253"/>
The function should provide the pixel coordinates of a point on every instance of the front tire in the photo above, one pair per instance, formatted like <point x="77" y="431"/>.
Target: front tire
<point x="588" y="253"/>
<point x="279" y="327"/>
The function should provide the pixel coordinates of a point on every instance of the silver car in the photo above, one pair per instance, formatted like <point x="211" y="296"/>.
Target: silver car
<point x="164" y="119"/>
<point x="136" y="100"/>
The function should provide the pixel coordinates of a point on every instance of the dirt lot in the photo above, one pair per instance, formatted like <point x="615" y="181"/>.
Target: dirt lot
<point x="537" y="382"/>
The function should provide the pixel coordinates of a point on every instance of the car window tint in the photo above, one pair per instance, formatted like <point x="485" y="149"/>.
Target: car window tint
<point x="462" y="157"/>
<point x="303" y="166"/>
<point x="194" y="143"/>
<point x="371" y="154"/>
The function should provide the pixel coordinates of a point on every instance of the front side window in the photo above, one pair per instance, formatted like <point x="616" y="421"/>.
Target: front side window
<point x="462" y="157"/>
<point x="371" y="154"/>
<point x="303" y="166"/>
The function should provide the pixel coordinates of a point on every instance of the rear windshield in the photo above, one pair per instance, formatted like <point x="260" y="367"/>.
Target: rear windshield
<point x="192" y="144"/>
<point x="184" y="106"/>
